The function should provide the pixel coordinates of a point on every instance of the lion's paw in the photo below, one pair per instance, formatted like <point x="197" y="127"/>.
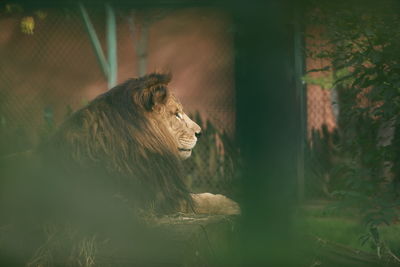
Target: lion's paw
<point x="207" y="203"/>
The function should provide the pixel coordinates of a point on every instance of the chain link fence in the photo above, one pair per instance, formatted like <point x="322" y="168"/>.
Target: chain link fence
<point x="53" y="71"/>
<point x="322" y="115"/>
<point x="320" y="108"/>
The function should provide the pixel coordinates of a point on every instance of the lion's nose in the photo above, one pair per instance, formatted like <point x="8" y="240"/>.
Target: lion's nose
<point x="198" y="134"/>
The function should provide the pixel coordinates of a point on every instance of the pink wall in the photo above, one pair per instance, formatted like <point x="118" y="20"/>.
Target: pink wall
<point x="319" y="100"/>
<point x="56" y="66"/>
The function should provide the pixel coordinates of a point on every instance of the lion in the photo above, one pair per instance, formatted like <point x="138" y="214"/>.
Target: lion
<point x="135" y="136"/>
<point x="100" y="174"/>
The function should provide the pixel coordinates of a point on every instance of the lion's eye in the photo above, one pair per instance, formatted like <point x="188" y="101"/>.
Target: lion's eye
<point x="178" y="115"/>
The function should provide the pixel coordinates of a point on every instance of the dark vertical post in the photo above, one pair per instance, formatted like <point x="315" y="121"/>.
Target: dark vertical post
<point x="301" y="93"/>
<point x="267" y="130"/>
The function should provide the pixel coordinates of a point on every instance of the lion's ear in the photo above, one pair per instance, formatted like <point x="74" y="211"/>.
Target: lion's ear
<point x="154" y="96"/>
<point x="151" y="90"/>
<point x="155" y="79"/>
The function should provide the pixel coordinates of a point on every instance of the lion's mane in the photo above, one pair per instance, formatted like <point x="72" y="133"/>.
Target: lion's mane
<point x="114" y="140"/>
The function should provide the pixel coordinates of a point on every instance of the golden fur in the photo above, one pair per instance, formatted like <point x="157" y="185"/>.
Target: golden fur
<point x="120" y="136"/>
<point x="133" y="139"/>
<point x="121" y="153"/>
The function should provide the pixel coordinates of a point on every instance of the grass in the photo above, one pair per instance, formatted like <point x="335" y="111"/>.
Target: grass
<point x="345" y="228"/>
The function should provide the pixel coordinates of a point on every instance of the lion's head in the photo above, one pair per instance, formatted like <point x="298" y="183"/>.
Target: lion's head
<point x="184" y="131"/>
<point x="165" y="112"/>
<point x="136" y="133"/>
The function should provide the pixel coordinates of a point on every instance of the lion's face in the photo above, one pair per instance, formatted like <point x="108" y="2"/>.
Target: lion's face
<point x="166" y="113"/>
<point x="181" y="127"/>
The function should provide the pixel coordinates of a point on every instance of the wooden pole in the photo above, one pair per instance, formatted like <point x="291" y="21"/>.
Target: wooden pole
<point x="267" y="131"/>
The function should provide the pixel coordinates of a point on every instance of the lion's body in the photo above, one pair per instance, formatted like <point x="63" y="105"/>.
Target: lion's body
<point x="127" y="144"/>
<point x="107" y="163"/>
<point x="116" y="138"/>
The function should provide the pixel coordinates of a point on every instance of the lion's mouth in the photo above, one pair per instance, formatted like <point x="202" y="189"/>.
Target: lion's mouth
<point x="185" y="149"/>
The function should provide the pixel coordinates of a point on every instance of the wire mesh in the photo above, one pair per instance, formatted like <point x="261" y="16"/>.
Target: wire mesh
<point x="322" y="106"/>
<point x="46" y="75"/>
<point x="320" y="111"/>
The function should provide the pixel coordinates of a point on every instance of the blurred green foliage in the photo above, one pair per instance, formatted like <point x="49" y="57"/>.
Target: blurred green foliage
<point x="361" y="44"/>
<point x="327" y="81"/>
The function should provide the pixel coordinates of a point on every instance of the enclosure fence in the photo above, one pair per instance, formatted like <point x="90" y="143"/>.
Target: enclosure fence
<point x="52" y="70"/>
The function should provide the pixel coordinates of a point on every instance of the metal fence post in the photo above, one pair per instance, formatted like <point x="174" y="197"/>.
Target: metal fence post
<point x="111" y="35"/>
<point x="109" y="67"/>
<point x="94" y="41"/>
